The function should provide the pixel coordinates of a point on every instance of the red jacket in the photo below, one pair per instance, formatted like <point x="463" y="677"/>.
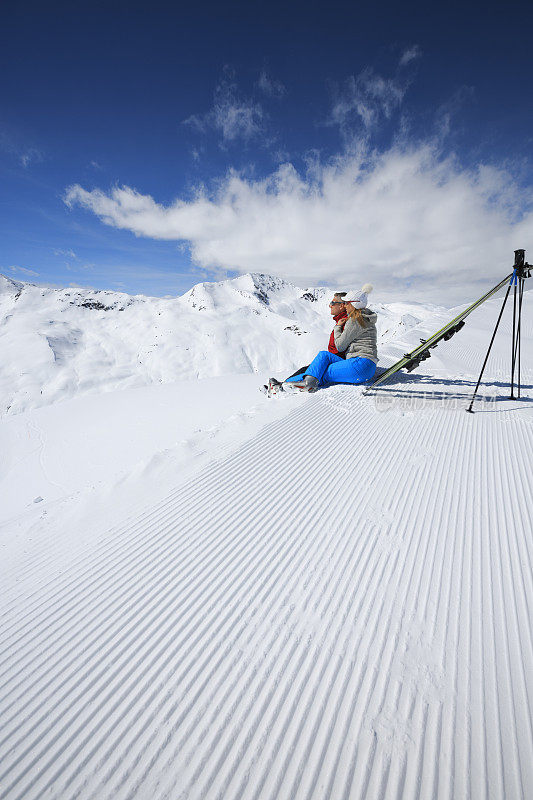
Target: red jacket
<point x="331" y="345"/>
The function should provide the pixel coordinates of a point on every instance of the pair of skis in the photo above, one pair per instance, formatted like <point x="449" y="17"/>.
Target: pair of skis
<point x="412" y="360"/>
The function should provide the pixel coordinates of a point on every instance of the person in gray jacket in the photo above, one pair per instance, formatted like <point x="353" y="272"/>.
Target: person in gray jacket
<point x="356" y="337"/>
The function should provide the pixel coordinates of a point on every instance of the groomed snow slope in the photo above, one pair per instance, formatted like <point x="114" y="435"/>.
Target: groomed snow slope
<point x="337" y="607"/>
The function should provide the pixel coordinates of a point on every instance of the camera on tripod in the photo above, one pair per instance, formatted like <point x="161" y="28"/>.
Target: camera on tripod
<point x="523" y="270"/>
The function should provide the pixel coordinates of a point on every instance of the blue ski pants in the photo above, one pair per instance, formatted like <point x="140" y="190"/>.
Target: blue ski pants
<point x="330" y="368"/>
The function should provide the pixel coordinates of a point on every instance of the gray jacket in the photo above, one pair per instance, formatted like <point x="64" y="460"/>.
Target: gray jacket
<point x="358" y="341"/>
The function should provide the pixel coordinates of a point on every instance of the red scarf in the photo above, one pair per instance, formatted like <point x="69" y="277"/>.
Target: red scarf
<point x="331" y="345"/>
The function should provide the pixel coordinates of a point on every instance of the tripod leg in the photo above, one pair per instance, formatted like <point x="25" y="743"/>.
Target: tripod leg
<point x="514" y="342"/>
<point x="469" y="409"/>
<point x="519" y="330"/>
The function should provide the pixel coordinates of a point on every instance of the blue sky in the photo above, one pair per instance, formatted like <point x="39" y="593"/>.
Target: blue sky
<point x="145" y="147"/>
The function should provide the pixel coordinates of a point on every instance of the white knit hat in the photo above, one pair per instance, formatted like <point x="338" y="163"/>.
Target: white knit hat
<point x="358" y="298"/>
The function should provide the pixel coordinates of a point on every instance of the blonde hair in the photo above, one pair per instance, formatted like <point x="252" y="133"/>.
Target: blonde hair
<point x="356" y="314"/>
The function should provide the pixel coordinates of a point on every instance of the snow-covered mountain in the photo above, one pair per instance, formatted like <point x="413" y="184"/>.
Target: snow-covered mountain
<point x="60" y="343"/>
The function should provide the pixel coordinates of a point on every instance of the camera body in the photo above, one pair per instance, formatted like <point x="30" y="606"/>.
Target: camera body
<point x="523" y="270"/>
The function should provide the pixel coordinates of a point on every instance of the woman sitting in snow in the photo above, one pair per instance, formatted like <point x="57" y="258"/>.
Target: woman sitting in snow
<point x="354" y="335"/>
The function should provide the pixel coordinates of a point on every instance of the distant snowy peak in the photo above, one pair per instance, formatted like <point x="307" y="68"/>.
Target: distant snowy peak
<point x="9" y="286"/>
<point x="266" y="283"/>
<point x="268" y="286"/>
<point x="93" y="299"/>
<point x="254" y="290"/>
<point x="99" y="300"/>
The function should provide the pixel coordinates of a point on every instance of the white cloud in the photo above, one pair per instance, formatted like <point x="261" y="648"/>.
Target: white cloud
<point x="197" y="123"/>
<point x="448" y="111"/>
<point x="29" y="156"/>
<point x="237" y="120"/>
<point x="269" y="86"/>
<point x="24" y="155"/>
<point x="23" y="271"/>
<point x="413" y="223"/>
<point x="67" y="253"/>
<point x="366" y="99"/>
<point x="234" y="116"/>
<point x="411" y="54"/>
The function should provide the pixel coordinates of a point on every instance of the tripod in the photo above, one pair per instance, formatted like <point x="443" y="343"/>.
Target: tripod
<point x="521" y="271"/>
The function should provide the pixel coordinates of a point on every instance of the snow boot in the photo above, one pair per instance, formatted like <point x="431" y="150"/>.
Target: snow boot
<point x="308" y="384"/>
<point x="274" y="386"/>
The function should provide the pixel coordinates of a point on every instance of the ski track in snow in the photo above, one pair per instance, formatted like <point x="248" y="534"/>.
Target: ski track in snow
<point x="340" y="608"/>
<point x="202" y="652"/>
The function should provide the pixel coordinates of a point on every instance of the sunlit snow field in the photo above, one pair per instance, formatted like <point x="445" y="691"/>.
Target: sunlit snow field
<point x="208" y="593"/>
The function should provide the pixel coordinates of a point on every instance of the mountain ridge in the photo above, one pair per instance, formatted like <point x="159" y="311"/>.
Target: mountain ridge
<point x="71" y="341"/>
